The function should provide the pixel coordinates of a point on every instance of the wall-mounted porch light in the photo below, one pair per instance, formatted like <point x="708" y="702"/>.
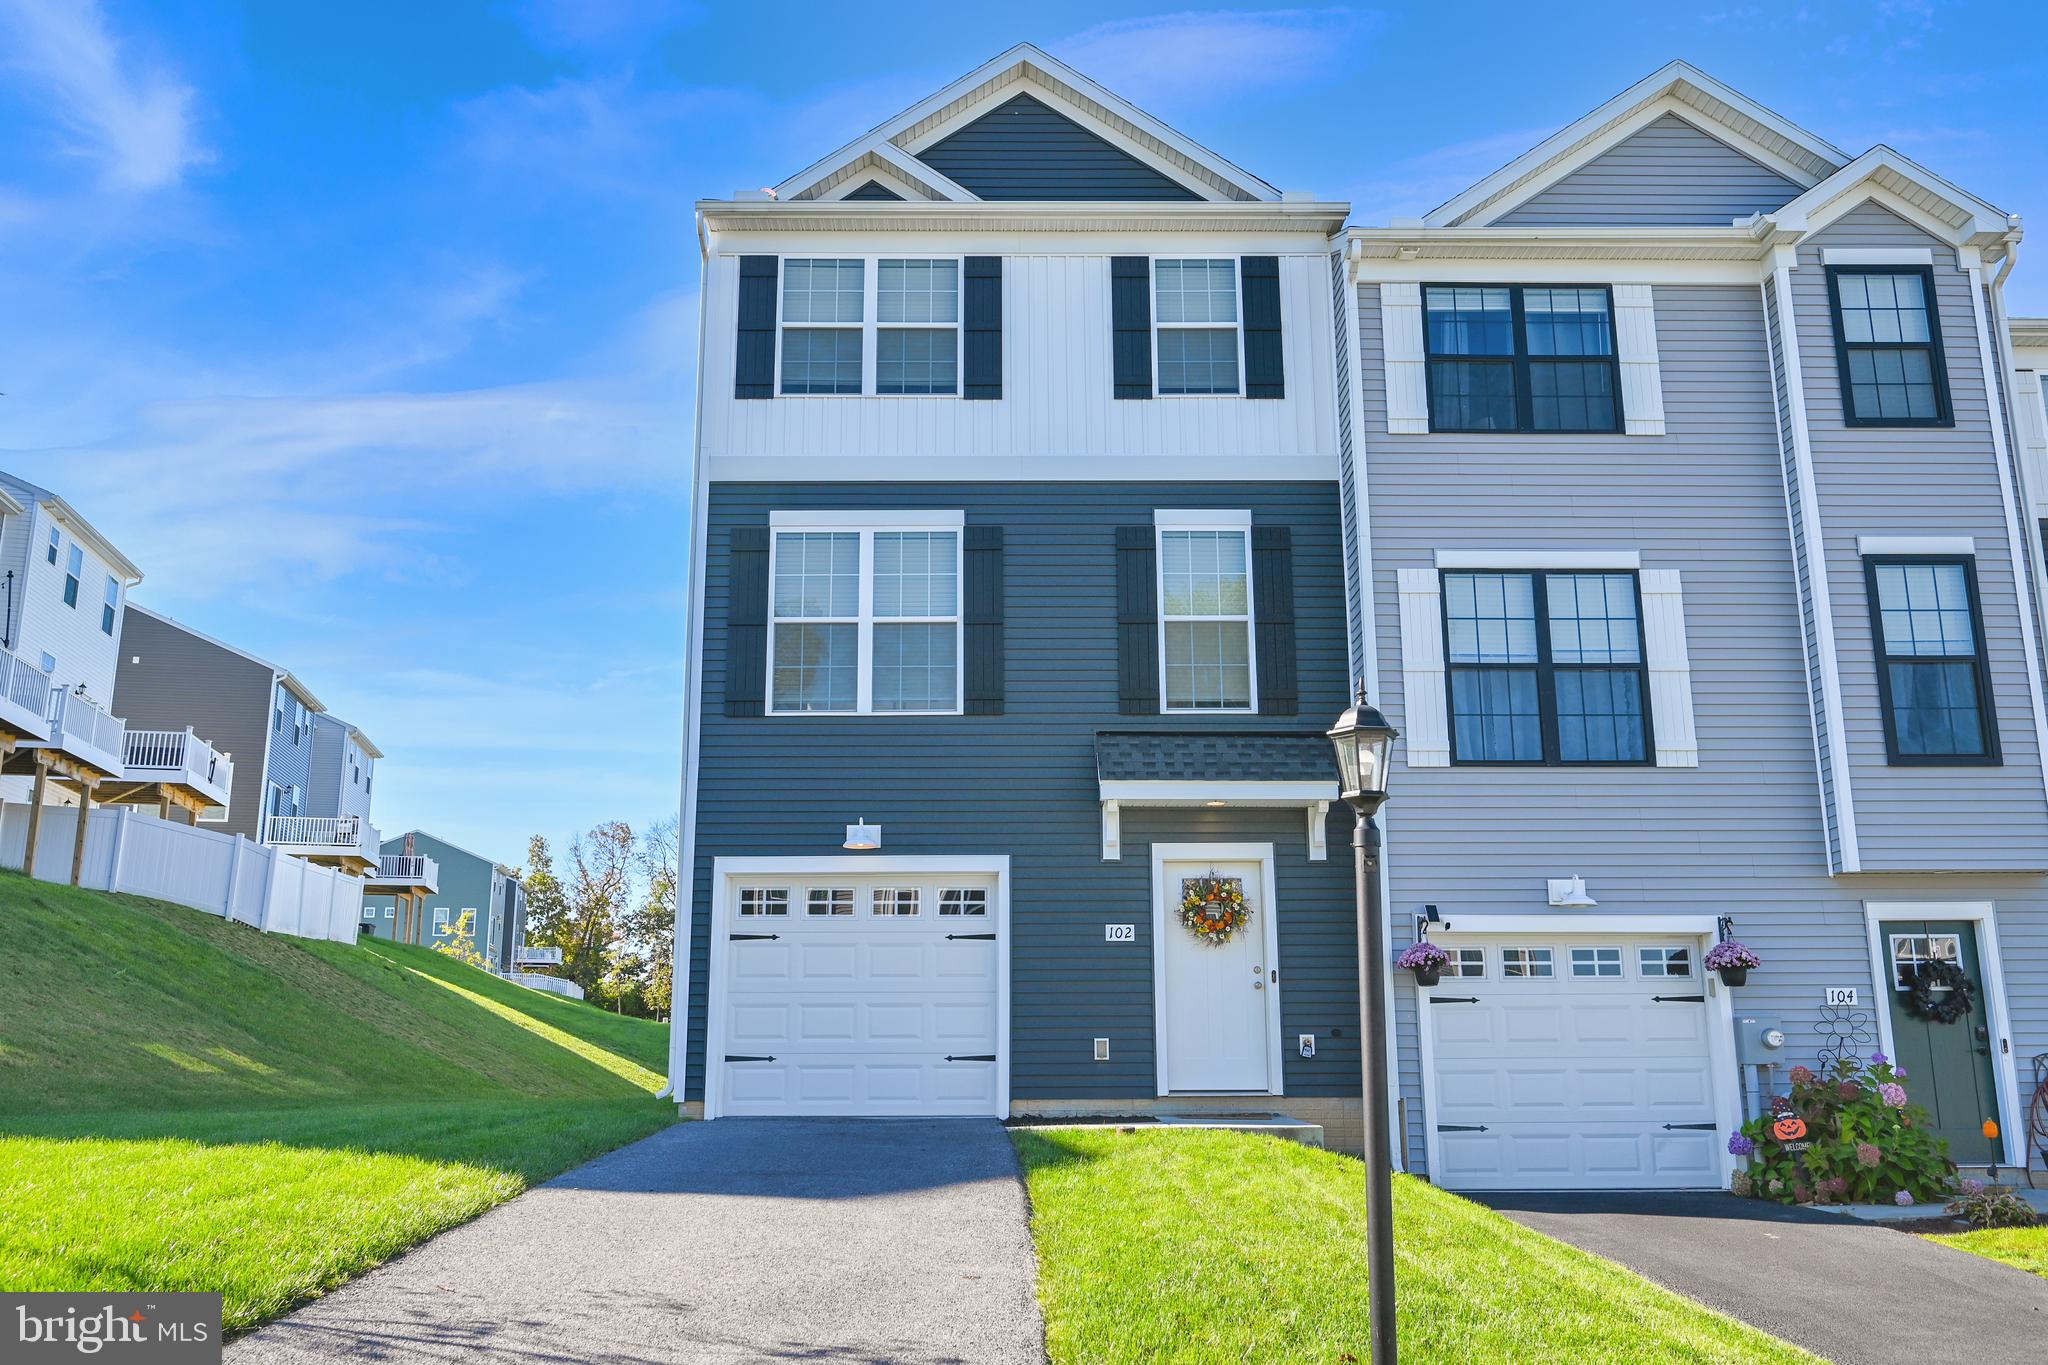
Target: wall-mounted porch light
<point x="862" y="835"/>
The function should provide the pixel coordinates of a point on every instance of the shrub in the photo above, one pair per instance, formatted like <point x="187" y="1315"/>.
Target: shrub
<point x="1993" y="1206"/>
<point x="1864" y="1142"/>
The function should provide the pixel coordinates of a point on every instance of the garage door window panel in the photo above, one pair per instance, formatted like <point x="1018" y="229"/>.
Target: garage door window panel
<point x="963" y="901"/>
<point x="896" y="902"/>
<point x="829" y="901"/>
<point x="1528" y="964"/>
<point x="1466" y="962"/>
<point x="764" y="900"/>
<point x="1597" y="963"/>
<point x="1664" y="962"/>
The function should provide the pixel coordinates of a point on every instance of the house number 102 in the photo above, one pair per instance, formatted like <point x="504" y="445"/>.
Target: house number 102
<point x="1119" y="933"/>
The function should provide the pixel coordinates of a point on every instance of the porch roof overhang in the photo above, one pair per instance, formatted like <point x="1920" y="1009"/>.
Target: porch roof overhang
<point x="1259" y="769"/>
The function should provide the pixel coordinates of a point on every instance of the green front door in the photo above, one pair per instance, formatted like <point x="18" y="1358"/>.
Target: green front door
<point x="1948" y="1066"/>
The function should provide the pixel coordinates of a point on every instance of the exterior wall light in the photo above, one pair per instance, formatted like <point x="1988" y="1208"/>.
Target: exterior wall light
<point x="862" y="835"/>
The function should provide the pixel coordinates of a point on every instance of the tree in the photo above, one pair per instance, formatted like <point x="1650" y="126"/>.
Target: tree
<point x="547" y="906"/>
<point x="460" y="941"/>
<point x="597" y="893"/>
<point x="651" y="924"/>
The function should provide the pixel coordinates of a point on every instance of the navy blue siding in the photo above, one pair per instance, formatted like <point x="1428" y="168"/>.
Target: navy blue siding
<point x="874" y="189"/>
<point x="1023" y="149"/>
<point x="1023" y="783"/>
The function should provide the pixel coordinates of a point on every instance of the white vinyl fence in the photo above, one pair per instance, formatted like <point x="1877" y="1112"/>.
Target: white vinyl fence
<point x="127" y="849"/>
<point x="535" y="981"/>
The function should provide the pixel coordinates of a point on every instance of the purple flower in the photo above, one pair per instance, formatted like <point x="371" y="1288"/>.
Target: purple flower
<point x="1902" y="1199"/>
<point x="1878" y="1059"/>
<point x="1893" y="1095"/>
<point x="1900" y="1072"/>
<point x="1740" y="1144"/>
<point x="1732" y="954"/>
<point x="1424" y="956"/>
<point x="1867" y="1155"/>
<point x="1973" y="1186"/>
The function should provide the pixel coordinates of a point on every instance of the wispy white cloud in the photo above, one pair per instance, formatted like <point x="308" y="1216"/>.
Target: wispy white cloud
<point x="1178" y="60"/>
<point x="134" y="119"/>
<point x="1414" y="185"/>
<point x="603" y="27"/>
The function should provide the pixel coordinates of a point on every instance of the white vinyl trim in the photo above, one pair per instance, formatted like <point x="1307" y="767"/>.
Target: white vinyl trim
<point x="1407" y="363"/>
<point x="1635" y="344"/>
<point x="1568" y="922"/>
<point x="1196" y="793"/>
<point x="1670" y="669"/>
<point x="1965" y="546"/>
<point x="1262" y="854"/>
<point x="724" y="871"/>
<point x="1876" y="255"/>
<point x="1425" y="704"/>
<point x="1615" y="560"/>
<point x="1990" y="963"/>
<point x="815" y="520"/>
<point x="1201" y="519"/>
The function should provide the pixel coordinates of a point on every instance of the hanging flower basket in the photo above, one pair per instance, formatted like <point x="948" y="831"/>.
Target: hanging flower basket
<point x="1213" y="908"/>
<point x="1424" y="959"/>
<point x="1732" y="959"/>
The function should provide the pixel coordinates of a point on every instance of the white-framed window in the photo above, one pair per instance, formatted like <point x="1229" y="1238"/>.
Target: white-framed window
<point x="880" y="325"/>
<point x="1596" y="962"/>
<point x="49" y="662"/>
<point x="1910" y="950"/>
<point x="74" y="574"/>
<point x="1196" y="342"/>
<point x="440" y="921"/>
<point x="764" y="900"/>
<point x="1663" y="962"/>
<point x="865" y="620"/>
<point x="1532" y="964"/>
<point x="828" y="900"/>
<point x="1205" y="618"/>
<point x="56" y="541"/>
<point x="280" y="800"/>
<point x="1466" y="962"/>
<point x="963" y="900"/>
<point x="110" y="606"/>
<point x="896" y="902"/>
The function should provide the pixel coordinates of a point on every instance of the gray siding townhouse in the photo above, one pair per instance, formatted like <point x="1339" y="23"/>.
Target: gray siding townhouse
<point x="1056" y="476"/>
<point x="467" y="884"/>
<point x="1691" y="565"/>
<point x="1020" y="613"/>
<point x="301" y="777"/>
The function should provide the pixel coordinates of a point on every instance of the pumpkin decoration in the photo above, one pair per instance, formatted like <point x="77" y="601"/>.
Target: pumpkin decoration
<point x="1788" y="1128"/>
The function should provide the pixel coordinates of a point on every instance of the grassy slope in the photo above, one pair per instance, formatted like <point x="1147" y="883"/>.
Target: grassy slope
<point x="1201" y="1246"/>
<point x="186" y="1103"/>
<point x="2026" y="1248"/>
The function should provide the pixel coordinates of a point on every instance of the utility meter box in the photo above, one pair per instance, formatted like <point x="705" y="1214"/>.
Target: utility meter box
<point x="1759" y="1040"/>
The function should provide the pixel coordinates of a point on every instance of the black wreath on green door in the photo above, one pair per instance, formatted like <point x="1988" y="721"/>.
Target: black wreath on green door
<point x="1939" y="992"/>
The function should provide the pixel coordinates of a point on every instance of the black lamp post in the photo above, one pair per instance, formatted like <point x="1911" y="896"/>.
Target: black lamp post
<point x="1364" y="741"/>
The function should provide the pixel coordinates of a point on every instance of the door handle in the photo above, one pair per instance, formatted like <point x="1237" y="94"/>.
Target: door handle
<point x="1259" y="985"/>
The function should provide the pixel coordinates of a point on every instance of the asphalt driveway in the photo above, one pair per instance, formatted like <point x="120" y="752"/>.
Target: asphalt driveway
<point x="1854" y="1293"/>
<point x="739" y="1240"/>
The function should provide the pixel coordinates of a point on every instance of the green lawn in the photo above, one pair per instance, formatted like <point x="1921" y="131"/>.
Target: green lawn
<point x="2026" y="1248"/>
<point x="189" y="1104"/>
<point x="1210" y="1246"/>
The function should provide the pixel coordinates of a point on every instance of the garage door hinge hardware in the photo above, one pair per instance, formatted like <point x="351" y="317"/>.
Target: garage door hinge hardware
<point x="1680" y="999"/>
<point x="732" y="1057"/>
<point x="975" y="1057"/>
<point x="1702" y="1127"/>
<point x="1454" y="1000"/>
<point x="737" y="937"/>
<point x="990" y="937"/>
<point x="1461" y="1127"/>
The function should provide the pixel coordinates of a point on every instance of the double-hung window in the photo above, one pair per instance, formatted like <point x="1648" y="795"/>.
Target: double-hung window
<point x="110" y="607"/>
<point x="1545" y="668"/>
<point x="865" y="620"/>
<point x="1932" y="675"/>
<point x="1521" y="358"/>
<point x="74" y="571"/>
<point x="56" y="539"/>
<point x="1195" y="315"/>
<point x="1888" y="346"/>
<point x="838" y="313"/>
<point x="1205" y="618"/>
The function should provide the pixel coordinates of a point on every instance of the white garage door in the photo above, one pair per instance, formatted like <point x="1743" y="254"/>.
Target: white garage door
<point x="859" y="995"/>
<point x="1572" y="1062"/>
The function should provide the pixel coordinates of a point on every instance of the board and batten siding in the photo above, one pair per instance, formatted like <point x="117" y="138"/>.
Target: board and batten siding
<point x="1056" y="397"/>
<point x="170" y="678"/>
<point x="1920" y="481"/>
<point x="1023" y="783"/>
<point x="1742" y="833"/>
<point x="1668" y="174"/>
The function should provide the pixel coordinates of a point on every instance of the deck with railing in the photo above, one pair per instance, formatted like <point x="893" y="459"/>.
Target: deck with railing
<point x="180" y="758"/>
<point x="24" y="696"/>
<point x="322" y="836"/>
<point x="413" y="871"/>
<point x="83" y="729"/>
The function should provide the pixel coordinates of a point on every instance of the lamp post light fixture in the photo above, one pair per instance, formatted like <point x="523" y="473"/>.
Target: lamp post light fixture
<point x="1363" y="741"/>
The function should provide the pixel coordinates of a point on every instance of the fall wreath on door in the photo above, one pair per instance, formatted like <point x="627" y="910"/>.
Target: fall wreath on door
<point x="1938" y="991"/>
<point x="1213" y="908"/>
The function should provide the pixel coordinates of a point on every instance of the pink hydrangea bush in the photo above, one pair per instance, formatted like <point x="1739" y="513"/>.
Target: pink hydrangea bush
<point x="1865" y="1142"/>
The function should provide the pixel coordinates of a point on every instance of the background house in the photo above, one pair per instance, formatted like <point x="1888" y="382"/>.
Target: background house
<point x="468" y="883"/>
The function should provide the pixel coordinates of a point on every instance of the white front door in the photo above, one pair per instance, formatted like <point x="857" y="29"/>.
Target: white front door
<point x="1572" y="1061"/>
<point x="859" y="994"/>
<point x="1215" y="1018"/>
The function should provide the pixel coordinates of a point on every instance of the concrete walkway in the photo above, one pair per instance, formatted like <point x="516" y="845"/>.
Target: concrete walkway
<point x="1847" y="1291"/>
<point x="739" y="1240"/>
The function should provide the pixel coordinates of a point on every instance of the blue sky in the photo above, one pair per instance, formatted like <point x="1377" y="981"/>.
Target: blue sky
<point x="368" y="329"/>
